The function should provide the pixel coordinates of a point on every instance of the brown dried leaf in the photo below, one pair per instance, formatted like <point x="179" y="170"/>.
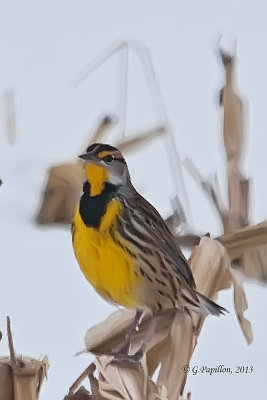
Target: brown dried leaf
<point x="220" y="276"/>
<point x="81" y="394"/>
<point x="181" y="342"/>
<point x="249" y="247"/>
<point x="126" y="383"/>
<point x="233" y="128"/>
<point x="108" y="335"/>
<point x="209" y="262"/>
<point x="115" y="328"/>
<point x="61" y="194"/>
<point x="254" y="263"/>
<point x="243" y="239"/>
<point x="6" y="380"/>
<point x="241" y="305"/>
<point x="26" y="381"/>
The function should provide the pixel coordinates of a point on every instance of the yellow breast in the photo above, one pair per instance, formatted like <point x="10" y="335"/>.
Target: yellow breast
<point x="104" y="263"/>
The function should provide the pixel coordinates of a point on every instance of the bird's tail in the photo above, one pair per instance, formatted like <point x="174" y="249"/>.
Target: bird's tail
<point x="207" y="306"/>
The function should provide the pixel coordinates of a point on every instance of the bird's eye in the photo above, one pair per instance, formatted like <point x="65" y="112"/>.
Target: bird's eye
<point x="109" y="158"/>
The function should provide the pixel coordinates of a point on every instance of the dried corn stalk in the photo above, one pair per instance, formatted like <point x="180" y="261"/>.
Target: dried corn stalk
<point x="248" y="248"/>
<point x="23" y="382"/>
<point x="21" y="377"/>
<point x="172" y="344"/>
<point x="234" y="134"/>
<point x="246" y="244"/>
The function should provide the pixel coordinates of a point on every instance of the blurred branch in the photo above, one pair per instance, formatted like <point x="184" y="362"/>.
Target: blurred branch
<point x="97" y="137"/>
<point x="98" y="61"/>
<point x="208" y="187"/>
<point x="177" y="224"/>
<point x="244" y="239"/>
<point x="189" y="240"/>
<point x="134" y="142"/>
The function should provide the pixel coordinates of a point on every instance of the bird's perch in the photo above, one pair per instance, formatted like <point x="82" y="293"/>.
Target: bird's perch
<point x="174" y="341"/>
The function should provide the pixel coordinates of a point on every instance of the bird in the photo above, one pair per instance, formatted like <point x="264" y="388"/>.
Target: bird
<point x="125" y="249"/>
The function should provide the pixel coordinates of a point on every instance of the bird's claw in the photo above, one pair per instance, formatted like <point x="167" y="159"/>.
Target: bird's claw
<point x="127" y="360"/>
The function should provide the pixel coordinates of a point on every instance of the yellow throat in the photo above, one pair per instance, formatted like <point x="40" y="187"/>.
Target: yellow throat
<point x="96" y="176"/>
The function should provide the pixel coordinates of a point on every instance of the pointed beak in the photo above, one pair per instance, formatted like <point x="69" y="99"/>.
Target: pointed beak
<point x="89" y="158"/>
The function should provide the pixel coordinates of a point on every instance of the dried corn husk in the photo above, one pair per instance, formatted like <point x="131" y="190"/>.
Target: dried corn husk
<point x="23" y="381"/>
<point x="21" y="377"/>
<point x="173" y="343"/>
<point x="248" y="248"/>
<point x="126" y="383"/>
<point x="234" y="134"/>
<point x="81" y="394"/>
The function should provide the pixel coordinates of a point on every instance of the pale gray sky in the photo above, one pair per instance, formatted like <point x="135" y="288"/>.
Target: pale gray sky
<point x="43" y="45"/>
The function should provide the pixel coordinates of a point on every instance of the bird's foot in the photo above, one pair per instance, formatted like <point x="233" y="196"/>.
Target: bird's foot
<point x="124" y="359"/>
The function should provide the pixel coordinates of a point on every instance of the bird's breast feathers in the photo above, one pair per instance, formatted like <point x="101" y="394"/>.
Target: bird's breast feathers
<point x="110" y="269"/>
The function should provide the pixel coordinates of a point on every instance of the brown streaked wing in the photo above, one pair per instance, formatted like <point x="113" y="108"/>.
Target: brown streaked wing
<point x="147" y="226"/>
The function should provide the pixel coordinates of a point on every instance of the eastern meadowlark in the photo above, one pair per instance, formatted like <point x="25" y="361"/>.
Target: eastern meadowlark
<point x="125" y="249"/>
